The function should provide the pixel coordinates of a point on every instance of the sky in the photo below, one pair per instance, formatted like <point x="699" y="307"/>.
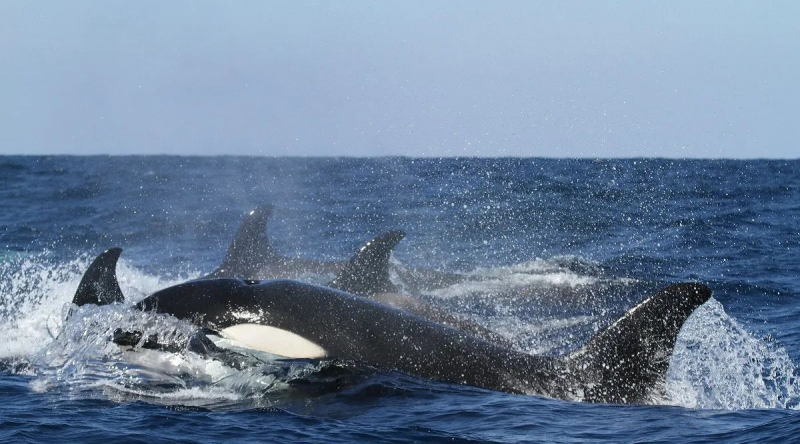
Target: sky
<point x="710" y="79"/>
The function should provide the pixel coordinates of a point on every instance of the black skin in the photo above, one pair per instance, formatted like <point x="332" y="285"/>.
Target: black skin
<point x="624" y="363"/>
<point x="250" y="256"/>
<point x="356" y="328"/>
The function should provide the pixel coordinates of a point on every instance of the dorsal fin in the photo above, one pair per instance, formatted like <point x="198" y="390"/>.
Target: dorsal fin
<point x="99" y="283"/>
<point x="367" y="272"/>
<point x="627" y="360"/>
<point x="250" y="249"/>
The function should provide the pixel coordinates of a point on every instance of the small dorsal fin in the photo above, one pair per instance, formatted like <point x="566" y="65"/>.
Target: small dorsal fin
<point x="630" y="357"/>
<point x="99" y="283"/>
<point x="367" y="272"/>
<point x="250" y="249"/>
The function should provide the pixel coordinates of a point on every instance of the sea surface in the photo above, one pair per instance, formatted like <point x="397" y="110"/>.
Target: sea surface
<point x="536" y="229"/>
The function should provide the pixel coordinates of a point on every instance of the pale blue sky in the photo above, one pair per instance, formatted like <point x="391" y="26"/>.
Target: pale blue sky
<point x="555" y="79"/>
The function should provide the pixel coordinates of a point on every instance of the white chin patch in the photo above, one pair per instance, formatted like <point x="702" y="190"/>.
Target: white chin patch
<point x="274" y="340"/>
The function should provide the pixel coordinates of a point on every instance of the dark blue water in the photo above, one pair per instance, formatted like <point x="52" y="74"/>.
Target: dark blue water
<point x="535" y="226"/>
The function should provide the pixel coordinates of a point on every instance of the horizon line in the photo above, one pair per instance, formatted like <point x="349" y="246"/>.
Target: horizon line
<point x="391" y="156"/>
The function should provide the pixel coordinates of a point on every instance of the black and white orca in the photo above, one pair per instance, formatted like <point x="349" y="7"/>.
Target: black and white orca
<point x="624" y="363"/>
<point x="251" y="256"/>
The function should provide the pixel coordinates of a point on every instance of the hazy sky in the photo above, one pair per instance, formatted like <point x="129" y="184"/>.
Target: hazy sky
<point x="529" y="78"/>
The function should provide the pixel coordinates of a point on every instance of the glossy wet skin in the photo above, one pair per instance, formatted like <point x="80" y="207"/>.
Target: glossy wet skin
<point x="621" y="364"/>
<point x="624" y="363"/>
<point x="356" y="328"/>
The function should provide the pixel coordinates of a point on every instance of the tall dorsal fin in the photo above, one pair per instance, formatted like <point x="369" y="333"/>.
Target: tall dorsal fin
<point x="250" y="249"/>
<point x="627" y="360"/>
<point x="367" y="272"/>
<point x="99" y="283"/>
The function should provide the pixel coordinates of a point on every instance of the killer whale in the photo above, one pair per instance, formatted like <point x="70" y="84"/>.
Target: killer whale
<point x="251" y="256"/>
<point x="367" y="274"/>
<point x="624" y="363"/>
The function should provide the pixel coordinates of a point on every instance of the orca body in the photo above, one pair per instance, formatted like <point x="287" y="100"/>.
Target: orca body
<point x="625" y="363"/>
<point x="336" y="324"/>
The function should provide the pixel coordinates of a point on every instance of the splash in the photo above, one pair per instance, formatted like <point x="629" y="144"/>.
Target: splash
<point x="558" y="272"/>
<point x="718" y="364"/>
<point x="75" y="357"/>
<point x="35" y="293"/>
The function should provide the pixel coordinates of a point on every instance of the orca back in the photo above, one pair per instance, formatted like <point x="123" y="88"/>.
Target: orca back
<point x="99" y="283"/>
<point x="367" y="272"/>
<point x="250" y="250"/>
<point x="626" y="361"/>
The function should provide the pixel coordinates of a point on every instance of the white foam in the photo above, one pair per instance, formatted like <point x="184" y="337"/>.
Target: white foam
<point x="32" y="295"/>
<point x="717" y="364"/>
<point x="35" y="296"/>
<point x="535" y="266"/>
<point x="498" y="283"/>
<point x="538" y="272"/>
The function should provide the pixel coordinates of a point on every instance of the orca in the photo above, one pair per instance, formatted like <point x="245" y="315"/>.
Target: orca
<point x="624" y="363"/>
<point x="251" y="256"/>
<point x="367" y="274"/>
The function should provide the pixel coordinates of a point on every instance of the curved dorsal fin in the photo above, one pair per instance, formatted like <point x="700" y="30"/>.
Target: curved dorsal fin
<point x="250" y="249"/>
<point x="631" y="356"/>
<point x="367" y="272"/>
<point x="99" y="283"/>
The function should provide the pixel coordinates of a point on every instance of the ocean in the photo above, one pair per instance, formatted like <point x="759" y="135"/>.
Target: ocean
<point x="536" y="229"/>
